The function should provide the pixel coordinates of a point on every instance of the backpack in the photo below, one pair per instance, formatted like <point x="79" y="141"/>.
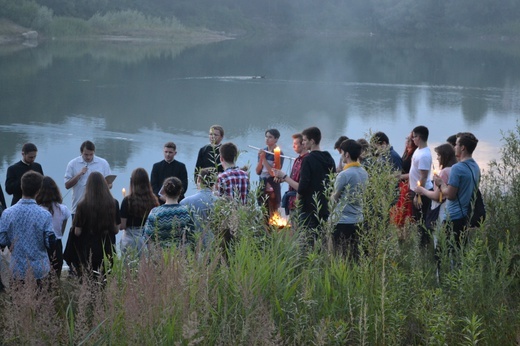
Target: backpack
<point x="477" y="210"/>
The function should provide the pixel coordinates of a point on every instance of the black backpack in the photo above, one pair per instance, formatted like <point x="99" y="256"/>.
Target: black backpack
<point x="477" y="210"/>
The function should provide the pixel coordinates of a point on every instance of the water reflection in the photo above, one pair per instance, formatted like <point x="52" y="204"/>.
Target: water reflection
<point x="130" y="99"/>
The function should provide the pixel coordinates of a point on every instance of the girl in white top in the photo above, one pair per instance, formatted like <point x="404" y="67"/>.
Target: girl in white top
<point x="49" y="198"/>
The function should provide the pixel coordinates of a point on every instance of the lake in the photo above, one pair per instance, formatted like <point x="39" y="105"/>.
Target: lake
<point x="130" y="98"/>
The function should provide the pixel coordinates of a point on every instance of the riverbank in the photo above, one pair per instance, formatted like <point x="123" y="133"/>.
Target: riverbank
<point x="13" y="34"/>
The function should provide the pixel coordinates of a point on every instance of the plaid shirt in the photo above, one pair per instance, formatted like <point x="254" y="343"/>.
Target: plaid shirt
<point x="295" y="175"/>
<point x="233" y="181"/>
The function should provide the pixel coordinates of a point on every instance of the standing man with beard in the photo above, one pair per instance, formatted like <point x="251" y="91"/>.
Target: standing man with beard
<point x="13" y="185"/>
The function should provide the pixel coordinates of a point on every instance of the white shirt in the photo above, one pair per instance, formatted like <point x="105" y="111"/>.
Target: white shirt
<point x="97" y="164"/>
<point x="421" y="161"/>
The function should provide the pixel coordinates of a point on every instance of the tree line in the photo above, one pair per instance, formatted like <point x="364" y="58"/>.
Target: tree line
<point x="382" y="16"/>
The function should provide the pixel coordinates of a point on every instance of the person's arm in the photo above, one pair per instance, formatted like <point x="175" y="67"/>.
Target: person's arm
<point x="74" y="180"/>
<point x="423" y="176"/>
<point x="12" y="182"/>
<point x="260" y="164"/>
<point x="433" y="195"/>
<point x="154" y="180"/>
<point x="183" y="176"/>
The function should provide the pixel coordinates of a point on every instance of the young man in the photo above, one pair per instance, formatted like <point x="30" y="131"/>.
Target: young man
<point x="386" y="151"/>
<point x="15" y="172"/>
<point x="233" y="182"/>
<point x="209" y="155"/>
<point x="169" y="167"/>
<point x="79" y="169"/>
<point x="272" y="193"/>
<point x="348" y="191"/>
<point x="337" y="144"/>
<point x="463" y="181"/>
<point x="289" y="198"/>
<point x="201" y="203"/>
<point x="27" y="229"/>
<point x="314" y="177"/>
<point x="420" y="175"/>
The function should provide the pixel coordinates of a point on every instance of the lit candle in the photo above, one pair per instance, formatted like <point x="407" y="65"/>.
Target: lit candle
<point x="124" y="192"/>
<point x="277" y="164"/>
<point x="419" y="200"/>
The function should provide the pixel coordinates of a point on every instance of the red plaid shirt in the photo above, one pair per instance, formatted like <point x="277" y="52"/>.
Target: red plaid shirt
<point x="232" y="182"/>
<point x="295" y="175"/>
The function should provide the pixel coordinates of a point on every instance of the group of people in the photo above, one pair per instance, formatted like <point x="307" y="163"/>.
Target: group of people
<point x="157" y="209"/>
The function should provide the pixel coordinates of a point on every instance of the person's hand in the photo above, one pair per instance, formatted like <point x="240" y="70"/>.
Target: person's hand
<point x="420" y="190"/>
<point x="416" y="202"/>
<point x="278" y="173"/>
<point x="437" y="180"/>
<point x="84" y="170"/>
<point x="261" y="154"/>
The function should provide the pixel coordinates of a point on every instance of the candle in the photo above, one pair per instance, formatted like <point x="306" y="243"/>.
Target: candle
<point x="440" y="191"/>
<point x="277" y="164"/>
<point x="419" y="200"/>
<point x="124" y="192"/>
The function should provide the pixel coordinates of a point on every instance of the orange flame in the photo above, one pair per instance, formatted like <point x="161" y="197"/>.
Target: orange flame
<point x="278" y="221"/>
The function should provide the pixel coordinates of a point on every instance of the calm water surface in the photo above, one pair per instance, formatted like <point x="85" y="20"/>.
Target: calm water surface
<point x="130" y="99"/>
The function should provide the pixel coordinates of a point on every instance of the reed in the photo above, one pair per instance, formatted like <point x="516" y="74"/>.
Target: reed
<point x="254" y="285"/>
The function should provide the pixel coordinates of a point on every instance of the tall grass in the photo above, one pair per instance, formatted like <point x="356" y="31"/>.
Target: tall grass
<point x="266" y="287"/>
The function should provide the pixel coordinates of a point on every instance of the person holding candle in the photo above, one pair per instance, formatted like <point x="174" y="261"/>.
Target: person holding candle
<point x="289" y="199"/>
<point x="462" y="185"/>
<point x="420" y="176"/>
<point x="446" y="158"/>
<point x="272" y="195"/>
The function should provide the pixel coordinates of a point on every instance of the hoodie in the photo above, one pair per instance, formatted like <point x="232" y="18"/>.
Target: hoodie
<point x="314" y="178"/>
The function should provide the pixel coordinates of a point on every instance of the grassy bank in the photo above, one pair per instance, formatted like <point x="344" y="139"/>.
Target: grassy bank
<point x="272" y="289"/>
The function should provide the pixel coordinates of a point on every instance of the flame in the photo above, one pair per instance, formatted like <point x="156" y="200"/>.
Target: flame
<point x="278" y="221"/>
<point x="123" y="191"/>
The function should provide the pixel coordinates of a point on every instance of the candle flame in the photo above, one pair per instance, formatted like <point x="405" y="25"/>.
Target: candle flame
<point x="124" y="192"/>
<point x="418" y="183"/>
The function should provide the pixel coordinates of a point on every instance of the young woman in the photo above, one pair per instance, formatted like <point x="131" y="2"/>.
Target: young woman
<point x="402" y="210"/>
<point x="446" y="158"/>
<point x="171" y="222"/>
<point x="96" y="224"/>
<point x="49" y="198"/>
<point x="135" y="209"/>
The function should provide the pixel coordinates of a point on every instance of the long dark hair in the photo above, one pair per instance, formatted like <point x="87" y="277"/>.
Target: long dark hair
<point x="141" y="198"/>
<point x="410" y="147"/>
<point x="447" y="155"/>
<point x="49" y="194"/>
<point x="97" y="205"/>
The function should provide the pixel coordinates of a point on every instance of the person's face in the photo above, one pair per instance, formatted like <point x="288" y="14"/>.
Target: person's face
<point x="458" y="149"/>
<point x="416" y="139"/>
<point x="87" y="155"/>
<point x="306" y="143"/>
<point x="29" y="157"/>
<point x="270" y="141"/>
<point x="169" y="154"/>
<point x="215" y="137"/>
<point x="297" y="146"/>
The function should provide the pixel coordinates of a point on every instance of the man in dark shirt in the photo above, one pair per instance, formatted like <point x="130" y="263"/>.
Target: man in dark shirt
<point x="14" y="173"/>
<point x="314" y="178"/>
<point x="166" y="168"/>
<point x="209" y="155"/>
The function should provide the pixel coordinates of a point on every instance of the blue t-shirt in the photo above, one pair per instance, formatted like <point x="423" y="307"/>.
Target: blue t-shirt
<point x="461" y="178"/>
